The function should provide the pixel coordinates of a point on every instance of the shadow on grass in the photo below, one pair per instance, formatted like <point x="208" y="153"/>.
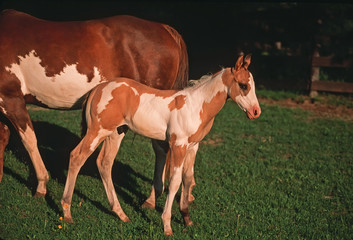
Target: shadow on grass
<point x="55" y="144"/>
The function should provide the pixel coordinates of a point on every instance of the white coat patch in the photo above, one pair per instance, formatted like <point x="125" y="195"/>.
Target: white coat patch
<point x="101" y="134"/>
<point x="151" y="116"/>
<point x="62" y="90"/>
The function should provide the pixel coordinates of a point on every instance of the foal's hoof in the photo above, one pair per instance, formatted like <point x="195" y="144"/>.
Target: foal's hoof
<point x="39" y="195"/>
<point x="188" y="223"/>
<point x="168" y="233"/>
<point x="122" y="216"/>
<point x="148" y="205"/>
<point x="68" y="220"/>
<point x="191" y="199"/>
<point x="126" y="219"/>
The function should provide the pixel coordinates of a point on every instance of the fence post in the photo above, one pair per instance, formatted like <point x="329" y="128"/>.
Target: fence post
<point x="315" y="73"/>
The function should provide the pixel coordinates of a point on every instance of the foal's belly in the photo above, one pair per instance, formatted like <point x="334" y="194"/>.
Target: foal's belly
<point x="62" y="90"/>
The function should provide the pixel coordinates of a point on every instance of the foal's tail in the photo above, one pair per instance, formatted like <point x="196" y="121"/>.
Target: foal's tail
<point x="183" y="70"/>
<point x="83" y="114"/>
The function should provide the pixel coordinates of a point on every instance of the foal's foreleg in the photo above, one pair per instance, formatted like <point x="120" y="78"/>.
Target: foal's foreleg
<point x="176" y="157"/>
<point x="105" y="162"/>
<point x="188" y="182"/>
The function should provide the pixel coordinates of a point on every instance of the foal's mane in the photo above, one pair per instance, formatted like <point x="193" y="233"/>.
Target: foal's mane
<point x="203" y="79"/>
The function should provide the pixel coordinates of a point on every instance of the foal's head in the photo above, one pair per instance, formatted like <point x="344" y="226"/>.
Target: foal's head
<point x="241" y="87"/>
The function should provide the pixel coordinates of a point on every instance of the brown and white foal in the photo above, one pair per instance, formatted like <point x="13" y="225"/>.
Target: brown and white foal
<point x="182" y="117"/>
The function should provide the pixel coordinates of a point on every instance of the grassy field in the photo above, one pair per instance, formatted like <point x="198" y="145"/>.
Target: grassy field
<point x="286" y="175"/>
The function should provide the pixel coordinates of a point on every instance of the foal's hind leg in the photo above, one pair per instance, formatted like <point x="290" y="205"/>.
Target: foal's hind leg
<point x="14" y="108"/>
<point x="78" y="157"/>
<point x="4" y="140"/>
<point x="105" y="162"/>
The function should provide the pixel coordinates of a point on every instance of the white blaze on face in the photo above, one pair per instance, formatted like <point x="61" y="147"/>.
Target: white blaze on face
<point x="250" y="100"/>
<point x="62" y="90"/>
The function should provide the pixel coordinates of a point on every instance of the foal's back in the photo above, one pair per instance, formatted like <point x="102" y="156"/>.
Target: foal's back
<point x="124" y="101"/>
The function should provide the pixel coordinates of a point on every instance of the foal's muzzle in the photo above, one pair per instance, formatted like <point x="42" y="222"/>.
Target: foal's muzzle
<point x="253" y="112"/>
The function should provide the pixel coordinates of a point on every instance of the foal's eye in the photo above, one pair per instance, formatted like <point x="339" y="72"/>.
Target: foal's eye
<point x="243" y="86"/>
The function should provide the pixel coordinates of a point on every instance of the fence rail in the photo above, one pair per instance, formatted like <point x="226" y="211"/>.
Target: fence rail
<point x="328" y="86"/>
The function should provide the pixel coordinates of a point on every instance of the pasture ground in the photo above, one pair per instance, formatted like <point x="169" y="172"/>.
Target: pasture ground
<point x="286" y="175"/>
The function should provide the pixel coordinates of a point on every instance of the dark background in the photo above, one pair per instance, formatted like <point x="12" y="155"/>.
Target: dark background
<point x="280" y="35"/>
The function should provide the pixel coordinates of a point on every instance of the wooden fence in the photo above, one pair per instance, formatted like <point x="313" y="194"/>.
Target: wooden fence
<point x="329" y="86"/>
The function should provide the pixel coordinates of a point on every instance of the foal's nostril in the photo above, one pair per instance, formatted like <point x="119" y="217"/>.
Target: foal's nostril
<point x="255" y="112"/>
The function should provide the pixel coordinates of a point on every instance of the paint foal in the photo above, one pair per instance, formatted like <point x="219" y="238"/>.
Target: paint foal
<point x="183" y="118"/>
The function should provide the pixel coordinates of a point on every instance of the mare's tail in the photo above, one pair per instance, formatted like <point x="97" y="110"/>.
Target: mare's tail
<point x="183" y="70"/>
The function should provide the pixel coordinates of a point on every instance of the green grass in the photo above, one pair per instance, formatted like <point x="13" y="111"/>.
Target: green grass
<point x="331" y="99"/>
<point x="286" y="175"/>
<point x="277" y="95"/>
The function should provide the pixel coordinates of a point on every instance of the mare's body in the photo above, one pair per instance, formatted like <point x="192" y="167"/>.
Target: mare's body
<point x="54" y="64"/>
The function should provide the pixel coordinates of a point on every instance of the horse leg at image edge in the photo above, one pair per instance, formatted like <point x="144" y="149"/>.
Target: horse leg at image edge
<point x="4" y="140"/>
<point x="23" y="124"/>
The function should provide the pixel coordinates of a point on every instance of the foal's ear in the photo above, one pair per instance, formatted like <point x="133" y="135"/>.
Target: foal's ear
<point x="239" y="63"/>
<point x="247" y="61"/>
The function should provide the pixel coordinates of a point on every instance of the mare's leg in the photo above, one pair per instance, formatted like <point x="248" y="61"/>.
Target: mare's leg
<point x="78" y="157"/>
<point x="188" y="183"/>
<point x="176" y="157"/>
<point x="105" y="162"/>
<point x="160" y="149"/>
<point x="14" y="108"/>
<point x="4" y="140"/>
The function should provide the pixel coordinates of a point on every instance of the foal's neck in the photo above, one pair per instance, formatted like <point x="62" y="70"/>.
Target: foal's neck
<point x="211" y="93"/>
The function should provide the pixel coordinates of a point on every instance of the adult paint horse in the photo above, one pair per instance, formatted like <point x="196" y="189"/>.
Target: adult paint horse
<point x="183" y="118"/>
<point x="54" y="64"/>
